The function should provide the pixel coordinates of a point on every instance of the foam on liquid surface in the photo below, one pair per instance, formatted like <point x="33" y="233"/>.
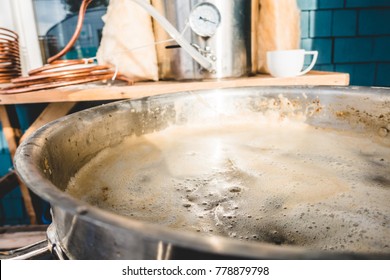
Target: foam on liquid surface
<point x="278" y="182"/>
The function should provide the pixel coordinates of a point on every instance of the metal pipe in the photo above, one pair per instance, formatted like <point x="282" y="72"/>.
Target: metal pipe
<point x="76" y="34"/>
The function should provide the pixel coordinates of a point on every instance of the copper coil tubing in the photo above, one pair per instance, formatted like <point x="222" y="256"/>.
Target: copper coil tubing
<point x="62" y="73"/>
<point x="9" y="56"/>
<point x="58" y="73"/>
<point x="80" y="20"/>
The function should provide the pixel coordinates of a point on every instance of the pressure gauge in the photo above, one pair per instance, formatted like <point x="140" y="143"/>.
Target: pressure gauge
<point x="204" y="19"/>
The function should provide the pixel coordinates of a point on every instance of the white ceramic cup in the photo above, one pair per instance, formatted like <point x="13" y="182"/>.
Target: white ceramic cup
<point x="289" y="63"/>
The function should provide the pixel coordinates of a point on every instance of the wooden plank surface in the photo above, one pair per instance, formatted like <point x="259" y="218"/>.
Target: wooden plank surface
<point x="93" y="92"/>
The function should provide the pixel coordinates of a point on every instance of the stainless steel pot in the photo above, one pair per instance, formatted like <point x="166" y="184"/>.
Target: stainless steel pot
<point x="54" y="153"/>
<point x="223" y="31"/>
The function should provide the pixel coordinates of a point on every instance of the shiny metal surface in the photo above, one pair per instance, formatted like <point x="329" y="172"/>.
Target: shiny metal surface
<point x="53" y="154"/>
<point x="234" y="45"/>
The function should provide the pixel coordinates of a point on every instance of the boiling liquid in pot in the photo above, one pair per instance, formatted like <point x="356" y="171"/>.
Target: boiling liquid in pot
<point x="281" y="182"/>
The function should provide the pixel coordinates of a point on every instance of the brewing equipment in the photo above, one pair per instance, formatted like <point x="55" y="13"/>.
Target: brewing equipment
<point x="9" y="56"/>
<point x="350" y="211"/>
<point x="224" y="32"/>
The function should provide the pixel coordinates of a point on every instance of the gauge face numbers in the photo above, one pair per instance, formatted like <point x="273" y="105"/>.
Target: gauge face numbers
<point x="205" y="19"/>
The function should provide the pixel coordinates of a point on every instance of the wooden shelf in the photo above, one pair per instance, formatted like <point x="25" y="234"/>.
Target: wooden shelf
<point x="93" y="92"/>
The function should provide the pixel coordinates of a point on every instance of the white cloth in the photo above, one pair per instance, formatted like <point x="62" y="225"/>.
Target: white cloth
<point x="128" y="41"/>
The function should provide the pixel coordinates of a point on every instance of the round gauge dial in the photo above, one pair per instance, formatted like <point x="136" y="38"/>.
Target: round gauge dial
<point x="205" y="19"/>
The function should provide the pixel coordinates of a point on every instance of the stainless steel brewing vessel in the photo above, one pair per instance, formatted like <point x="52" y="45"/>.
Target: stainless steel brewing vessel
<point x="49" y="158"/>
<point x="223" y="31"/>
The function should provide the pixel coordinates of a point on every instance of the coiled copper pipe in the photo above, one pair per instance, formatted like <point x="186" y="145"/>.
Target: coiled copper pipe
<point x="9" y="55"/>
<point x="80" y="20"/>
<point x="62" y="73"/>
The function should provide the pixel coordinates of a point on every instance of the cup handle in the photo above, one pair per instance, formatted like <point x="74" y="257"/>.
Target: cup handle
<point x="313" y="62"/>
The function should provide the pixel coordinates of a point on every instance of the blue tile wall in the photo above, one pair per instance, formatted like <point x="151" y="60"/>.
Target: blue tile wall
<point x="374" y="22"/>
<point x="28" y="113"/>
<point x="321" y="23"/>
<point x="325" y="67"/>
<point x="330" y="4"/>
<point x="383" y="75"/>
<point x="353" y="50"/>
<point x="351" y="36"/>
<point x="12" y="209"/>
<point x="344" y="23"/>
<point x="360" y="74"/>
<point x="382" y="49"/>
<point x="5" y="162"/>
<point x="366" y="3"/>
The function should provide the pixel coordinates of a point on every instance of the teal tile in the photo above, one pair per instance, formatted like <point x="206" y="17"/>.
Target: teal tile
<point x="13" y="212"/>
<point x="383" y="75"/>
<point x="13" y="208"/>
<point x="27" y="113"/>
<point x="349" y="50"/>
<point x="330" y="4"/>
<point x="15" y="194"/>
<point x="360" y="74"/>
<point x="382" y="49"/>
<point x="324" y="67"/>
<point x="320" y="24"/>
<point x="5" y="162"/>
<point x="344" y="23"/>
<point x="366" y="3"/>
<point x="374" y="22"/>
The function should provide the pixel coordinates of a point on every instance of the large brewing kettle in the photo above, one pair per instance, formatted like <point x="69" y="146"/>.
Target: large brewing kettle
<point x="52" y="155"/>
